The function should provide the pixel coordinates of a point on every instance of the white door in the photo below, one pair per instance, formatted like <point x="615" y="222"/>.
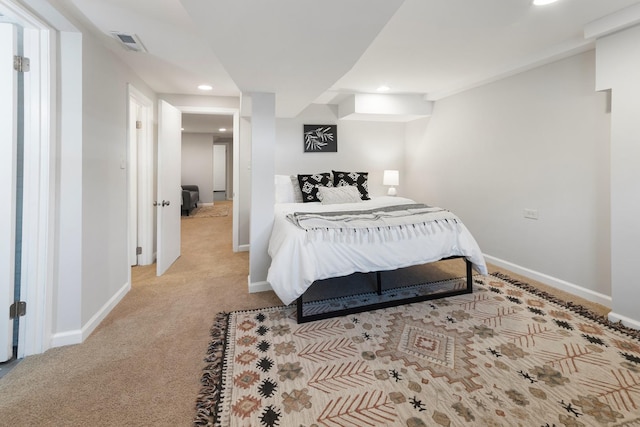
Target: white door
<point x="8" y="149"/>
<point x="169" y="191"/>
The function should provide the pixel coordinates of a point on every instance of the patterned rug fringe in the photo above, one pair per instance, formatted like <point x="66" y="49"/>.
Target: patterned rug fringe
<point x="576" y="308"/>
<point x="208" y="400"/>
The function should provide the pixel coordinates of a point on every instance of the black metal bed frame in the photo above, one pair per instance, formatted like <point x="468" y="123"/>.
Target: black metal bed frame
<point x="375" y="306"/>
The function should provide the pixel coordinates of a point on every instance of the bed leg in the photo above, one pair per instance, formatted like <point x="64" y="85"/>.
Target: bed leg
<point x="299" y="308"/>
<point x="469" y="276"/>
<point x="379" y="282"/>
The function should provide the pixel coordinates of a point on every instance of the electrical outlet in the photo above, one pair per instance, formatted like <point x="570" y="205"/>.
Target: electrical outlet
<point x="530" y="213"/>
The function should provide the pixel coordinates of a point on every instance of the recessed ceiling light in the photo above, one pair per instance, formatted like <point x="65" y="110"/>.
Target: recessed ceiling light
<point x="543" y="2"/>
<point x="205" y="87"/>
<point x="383" y="88"/>
<point x="222" y="129"/>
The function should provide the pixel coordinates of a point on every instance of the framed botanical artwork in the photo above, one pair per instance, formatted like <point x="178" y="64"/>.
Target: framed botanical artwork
<point x="320" y="138"/>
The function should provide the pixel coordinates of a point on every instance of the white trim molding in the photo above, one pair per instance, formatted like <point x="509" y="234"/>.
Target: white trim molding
<point x="79" y="335"/>
<point x="626" y="321"/>
<point x="39" y="194"/>
<point x="255" y="287"/>
<point x="618" y="21"/>
<point x="552" y="281"/>
<point x="243" y="248"/>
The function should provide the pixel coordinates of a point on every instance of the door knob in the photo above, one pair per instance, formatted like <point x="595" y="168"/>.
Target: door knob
<point x="166" y="203"/>
<point x="155" y="203"/>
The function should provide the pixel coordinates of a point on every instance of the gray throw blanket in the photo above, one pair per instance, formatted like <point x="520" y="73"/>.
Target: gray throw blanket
<point x="390" y="222"/>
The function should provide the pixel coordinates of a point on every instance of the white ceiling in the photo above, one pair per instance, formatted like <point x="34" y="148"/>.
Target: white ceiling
<point x="317" y="51"/>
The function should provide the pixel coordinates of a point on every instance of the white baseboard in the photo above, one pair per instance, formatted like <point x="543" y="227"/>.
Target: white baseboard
<point x="255" y="287"/>
<point x="79" y="335"/>
<point x="66" y="338"/>
<point x="626" y="321"/>
<point x="552" y="281"/>
<point x="243" y="248"/>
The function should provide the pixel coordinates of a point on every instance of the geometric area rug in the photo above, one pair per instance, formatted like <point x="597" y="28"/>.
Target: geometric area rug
<point x="505" y="355"/>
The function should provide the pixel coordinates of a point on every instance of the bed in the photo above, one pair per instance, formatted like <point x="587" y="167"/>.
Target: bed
<point x="314" y="241"/>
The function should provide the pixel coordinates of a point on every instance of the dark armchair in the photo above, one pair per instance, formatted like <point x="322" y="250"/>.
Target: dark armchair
<point x="190" y="198"/>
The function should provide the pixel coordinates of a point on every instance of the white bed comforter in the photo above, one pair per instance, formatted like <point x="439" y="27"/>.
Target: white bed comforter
<point x="298" y="258"/>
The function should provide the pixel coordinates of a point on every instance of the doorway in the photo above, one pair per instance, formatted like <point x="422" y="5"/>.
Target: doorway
<point x="142" y="223"/>
<point x="207" y="155"/>
<point x="229" y="137"/>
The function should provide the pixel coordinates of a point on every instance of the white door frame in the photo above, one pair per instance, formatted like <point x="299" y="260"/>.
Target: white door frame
<point x="145" y="171"/>
<point x="235" y="112"/>
<point x="8" y="177"/>
<point x="39" y="189"/>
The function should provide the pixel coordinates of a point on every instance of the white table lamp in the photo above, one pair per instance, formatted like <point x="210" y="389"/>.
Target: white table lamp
<point x="391" y="178"/>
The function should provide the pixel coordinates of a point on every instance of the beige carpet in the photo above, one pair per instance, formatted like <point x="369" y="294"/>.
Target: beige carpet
<point x="142" y="366"/>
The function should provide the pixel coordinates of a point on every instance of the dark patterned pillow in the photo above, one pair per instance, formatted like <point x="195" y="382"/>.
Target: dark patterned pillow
<point x="359" y="179"/>
<point x="309" y="185"/>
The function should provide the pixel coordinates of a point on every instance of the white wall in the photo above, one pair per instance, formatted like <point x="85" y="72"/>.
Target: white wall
<point x="618" y="69"/>
<point x="263" y="141"/>
<point x="197" y="163"/>
<point x="105" y="270"/>
<point x="67" y="289"/>
<point x="537" y="140"/>
<point x="363" y="146"/>
<point x="243" y="202"/>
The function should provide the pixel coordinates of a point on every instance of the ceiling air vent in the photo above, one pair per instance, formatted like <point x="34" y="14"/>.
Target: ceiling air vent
<point x="129" y="41"/>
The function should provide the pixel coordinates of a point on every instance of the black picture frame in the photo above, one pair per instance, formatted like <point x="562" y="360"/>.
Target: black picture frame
<point x="320" y="138"/>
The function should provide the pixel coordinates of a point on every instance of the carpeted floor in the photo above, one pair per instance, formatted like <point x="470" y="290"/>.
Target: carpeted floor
<point x="208" y="211"/>
<point x="505" y="355"/>
<point x="142" y="366"/>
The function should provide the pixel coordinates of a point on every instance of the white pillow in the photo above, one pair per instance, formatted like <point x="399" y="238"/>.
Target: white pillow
<point x="336" y="195"/>
<point x="284" y="189"/>
<point x="297" y="193"/>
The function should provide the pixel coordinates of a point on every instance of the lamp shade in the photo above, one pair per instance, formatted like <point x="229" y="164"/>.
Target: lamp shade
<point x="391" y="177"/>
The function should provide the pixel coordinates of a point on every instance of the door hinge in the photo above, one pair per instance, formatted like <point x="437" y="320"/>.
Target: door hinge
<point x="138" y="124"/>
<point x="17" y="309"/>
<point x="139" y="250"/>
<point x="21" y="64"/>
